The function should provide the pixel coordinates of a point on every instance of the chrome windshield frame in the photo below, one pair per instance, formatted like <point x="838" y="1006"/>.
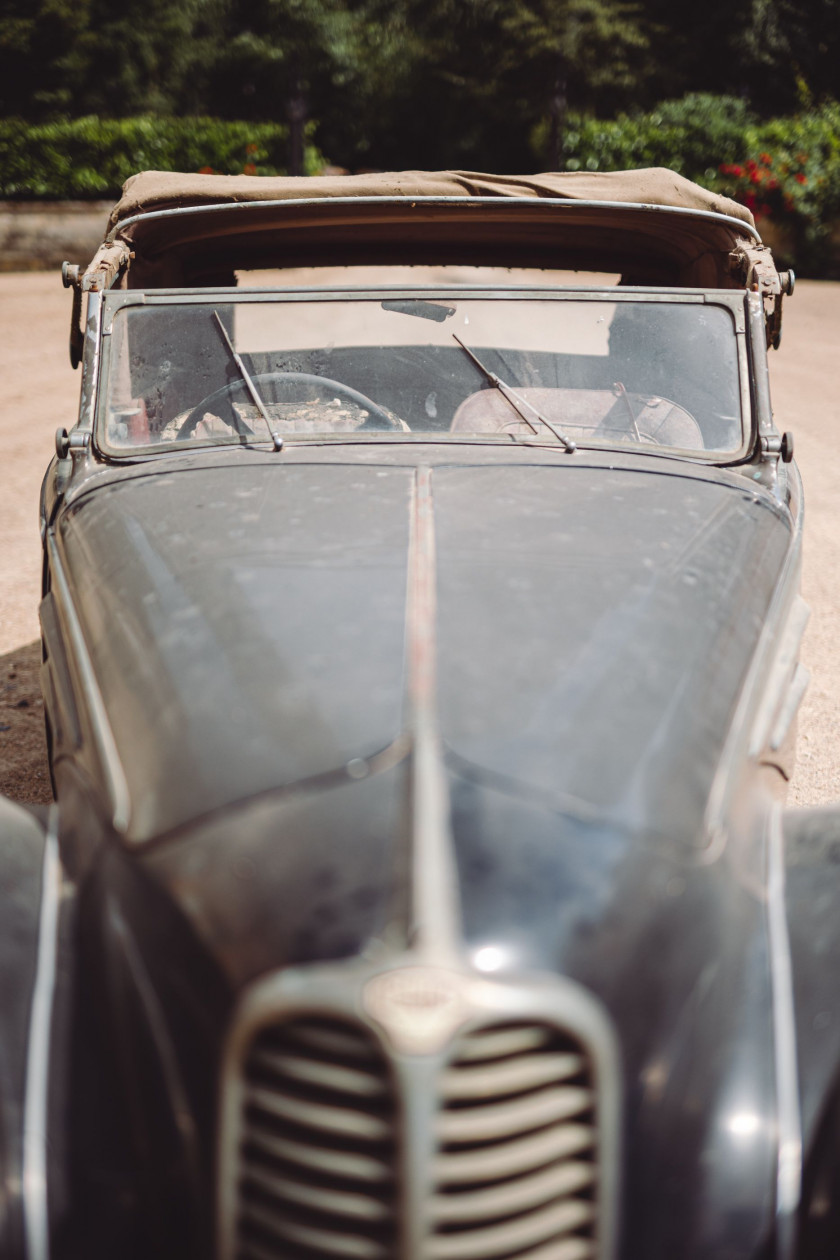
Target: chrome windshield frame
<point x="117" y="300"/>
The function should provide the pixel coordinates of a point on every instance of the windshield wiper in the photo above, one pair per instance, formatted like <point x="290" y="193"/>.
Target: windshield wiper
<point x="249" y="385"/>
<point x="517" y="401"/>
<point x="619" y="389"/>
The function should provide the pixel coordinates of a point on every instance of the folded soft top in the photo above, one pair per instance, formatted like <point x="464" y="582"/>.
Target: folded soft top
<point x="162" y="190"/>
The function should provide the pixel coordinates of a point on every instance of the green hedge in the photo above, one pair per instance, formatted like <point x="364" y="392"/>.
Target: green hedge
<point x="787" y="170"/>
<point x="92" y="157"/>
<point x="691" y="136"/>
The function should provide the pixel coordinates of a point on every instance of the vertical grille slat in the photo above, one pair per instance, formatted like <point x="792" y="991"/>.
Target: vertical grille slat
<point x="320" y="1075"/>
<point x="511" y="1237"/>
<point x="316" y="1240"/>
<point x="516" y="1174"/>
<point x="317" y="1154"/>
<point x="508" y="1159"/>
<point x="497" y="1043"/>
<point x="515" y="1076"/>
<point x="515" y="1196"/>
<point x="499" y="1120"/>
<point x="352" y="1165"/>
<point x="322" y="1199"/>
<point x="324" y="1117"/>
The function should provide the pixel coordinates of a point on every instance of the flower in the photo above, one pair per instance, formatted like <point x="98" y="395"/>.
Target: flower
<point x="755" y="177"/>
<point x="765" y="159"/>
<point x="800" y="178"/>
<point x="249" y="169"/>
<point x="772" y="184"/>
<point x="251" y="148"/>
<point x="206" y="170"/>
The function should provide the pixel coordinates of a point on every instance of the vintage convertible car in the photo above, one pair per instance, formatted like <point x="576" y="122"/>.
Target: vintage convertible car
<point x="420" y="626"/>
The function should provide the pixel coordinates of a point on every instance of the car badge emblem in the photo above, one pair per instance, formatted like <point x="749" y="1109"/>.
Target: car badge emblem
<point x="419" y="1007"/>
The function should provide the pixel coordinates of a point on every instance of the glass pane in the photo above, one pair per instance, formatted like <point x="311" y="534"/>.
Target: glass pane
<point x="603" y="372"/>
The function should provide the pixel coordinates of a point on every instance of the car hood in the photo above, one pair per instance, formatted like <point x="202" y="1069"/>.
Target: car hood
<point x="247" y="626"/>
<point x="593" y="630"/>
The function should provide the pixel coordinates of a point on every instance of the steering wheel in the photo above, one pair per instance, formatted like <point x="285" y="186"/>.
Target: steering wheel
<point x="377" y="420"/>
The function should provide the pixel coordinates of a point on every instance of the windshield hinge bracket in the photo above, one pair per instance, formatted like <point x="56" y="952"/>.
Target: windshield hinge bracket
<point x="775" y="447"/>
<point x="75" y="443"/>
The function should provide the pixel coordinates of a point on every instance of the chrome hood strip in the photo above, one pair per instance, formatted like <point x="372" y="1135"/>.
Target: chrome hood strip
<point x="435" y="929"/>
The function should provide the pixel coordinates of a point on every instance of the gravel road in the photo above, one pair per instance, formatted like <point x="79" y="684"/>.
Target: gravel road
<point x="41" y="393"/>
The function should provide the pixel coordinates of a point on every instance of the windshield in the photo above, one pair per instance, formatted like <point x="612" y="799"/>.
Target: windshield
<point x="506" y="367"/>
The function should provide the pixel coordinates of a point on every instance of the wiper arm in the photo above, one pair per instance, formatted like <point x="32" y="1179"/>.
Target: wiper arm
<point x="517" y="401"/>
<point x="249" y="385"/>
<point x="619" y="389"/>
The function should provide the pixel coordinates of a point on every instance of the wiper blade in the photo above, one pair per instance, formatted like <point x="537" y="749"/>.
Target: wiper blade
<point x="517" y="401"/>
<point x="249" y="385"/>
<point x="619" y="389"/>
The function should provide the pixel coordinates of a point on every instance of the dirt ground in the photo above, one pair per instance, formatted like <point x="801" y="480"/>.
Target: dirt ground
<point x="41" y="394"/>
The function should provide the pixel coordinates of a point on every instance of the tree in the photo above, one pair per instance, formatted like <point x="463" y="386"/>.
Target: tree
<point x="35" y="39"/>
<point x="141" y="56"/>
<point x="281" y="60"/>
<point x="465" y="82"/>
<point x="698" y="47"/>
<point x="587" y="51"/>
<point x="793" y="52"/>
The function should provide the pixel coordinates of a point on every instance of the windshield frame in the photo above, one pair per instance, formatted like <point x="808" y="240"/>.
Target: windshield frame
<point x="733" y="301"/>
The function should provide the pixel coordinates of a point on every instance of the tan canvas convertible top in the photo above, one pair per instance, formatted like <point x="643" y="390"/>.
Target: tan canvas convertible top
<point x="163" y="190"/>
<point x="652" y="226"/>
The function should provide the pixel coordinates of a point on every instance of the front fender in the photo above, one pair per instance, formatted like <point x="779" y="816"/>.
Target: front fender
<point x="812" y="872"/>
<point x="28" y="921"/>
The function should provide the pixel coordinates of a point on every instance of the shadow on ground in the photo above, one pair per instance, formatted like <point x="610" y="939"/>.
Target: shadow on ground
<point x="24" y="774"/>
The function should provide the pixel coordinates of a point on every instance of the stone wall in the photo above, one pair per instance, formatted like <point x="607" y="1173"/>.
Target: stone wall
<point x="40" y="235"/>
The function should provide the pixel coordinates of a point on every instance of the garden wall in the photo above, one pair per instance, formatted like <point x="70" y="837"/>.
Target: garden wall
<point x="40" y="235"/>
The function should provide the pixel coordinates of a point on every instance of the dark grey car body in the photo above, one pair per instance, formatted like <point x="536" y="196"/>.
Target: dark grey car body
<point x="418" y="884"/>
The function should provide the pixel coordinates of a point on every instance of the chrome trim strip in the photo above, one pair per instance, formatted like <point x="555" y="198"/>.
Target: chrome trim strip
<point x="789" y="1120"/>
<point x="790" y="705"/>
<point x="759" y="367"/>
<point x="563" y="203"/>
<point x="36" y="1220"/>
<point x="161" y="1036"/>
<point x="774" y="701"/>
<point x="90" y="362"/>
<point x="737" y="742"/>
<point x="103" y="735"/>
<point x="435" y="929"/>
<point x="118" y="300"/>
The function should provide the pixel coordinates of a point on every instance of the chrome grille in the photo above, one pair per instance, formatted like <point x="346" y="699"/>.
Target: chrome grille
<point x="317" y="1156"/>
<point x="516" y="1170"/>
